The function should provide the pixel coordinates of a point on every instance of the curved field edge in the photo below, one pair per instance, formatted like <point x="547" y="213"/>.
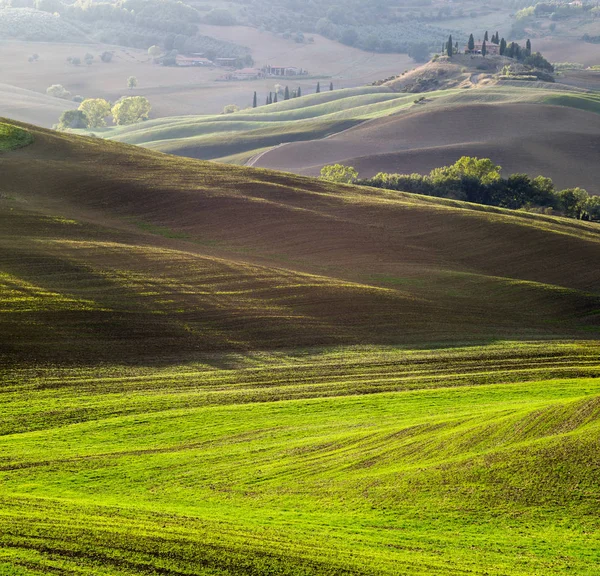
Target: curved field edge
<point x="321" y="115"/>
<point x="12" y="137"/>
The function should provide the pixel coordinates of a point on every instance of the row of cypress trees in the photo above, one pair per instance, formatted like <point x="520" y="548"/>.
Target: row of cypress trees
<point x="512" y="50"/>
<point x="272" y="98"/>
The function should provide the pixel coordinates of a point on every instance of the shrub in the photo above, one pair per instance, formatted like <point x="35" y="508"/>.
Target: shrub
<point x="230" y="109"/>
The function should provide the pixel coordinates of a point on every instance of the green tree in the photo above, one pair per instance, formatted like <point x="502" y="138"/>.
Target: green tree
<point x="132" y="82"/>
<point x="72" y="120"/>
<point x="573" y="202"/>
<point x="483" y="170"/>
<point x="318" y="87"/>
<point x="484" y="49"/>
<point x="275" y="98"/>
<point x="230" y="109"/>
<point x="299" y="91"/>
<point x="528" y="47"/>
<point x="58" y="91"/>
<point x="131" y="110"/>
<point x="471" y="44"/>
<point x="502" y="47"/>
<point x="339" y="173"/>
<point x="486" y="38"/>
<point x="331" y="86"/>
<point x="255" y="101"/>
<point x="591" y="208"/>
<point x="450" y="47"/>
<point x="286" y="94"/>
<point x="96" y="110"/>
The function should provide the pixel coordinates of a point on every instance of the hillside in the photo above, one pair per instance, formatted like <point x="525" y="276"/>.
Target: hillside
<point x="532" y="127"/>
<point x="209" y="369"/>
<point x="558" y="142"/>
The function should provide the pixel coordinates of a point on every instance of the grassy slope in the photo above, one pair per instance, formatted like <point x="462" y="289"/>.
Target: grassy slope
<point x="12" y="137"/>
<point x="214" y="370"/>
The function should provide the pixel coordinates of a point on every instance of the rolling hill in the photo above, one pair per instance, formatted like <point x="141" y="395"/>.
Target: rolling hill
<point x="210" y="369"/>
<point x="537" y="129"/>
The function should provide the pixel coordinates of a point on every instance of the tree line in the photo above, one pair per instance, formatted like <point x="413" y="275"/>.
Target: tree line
<point x="285" y="93"/>
<point x="479" y="181"/>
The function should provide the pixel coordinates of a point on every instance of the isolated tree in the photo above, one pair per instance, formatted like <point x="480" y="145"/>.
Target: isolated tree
<point x="286" y="95"/>
<point x="339" y="173"/>
<point x="299" y="92"/>
<point x="132" y="82"/>
<point x="131" y="110"/>
<point x="88" y="59"/>
<point x="471" y="43"/>
<point x="318" y="87"/>
<point x="255" y="101"/>
<point x="154" y="51"/>
<point x="58" y="91"/>
<point x="528" y="47"/>
<point x="72" y="120"/>
<point x="96" y="110"/>
<point x="450" y="47"/>
<point x="230" y="109"/>
<point x="106" y="57"/>
<point x="484" y="49"/>
<point x="331" y="86"/>
<point x="486" y="37"/>
<point x="502" y="47"/>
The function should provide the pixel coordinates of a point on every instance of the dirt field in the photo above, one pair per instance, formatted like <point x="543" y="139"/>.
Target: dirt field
<point x="568" y="50"/>
<point x="180" y="91"/>
<point x="558" y="142"/>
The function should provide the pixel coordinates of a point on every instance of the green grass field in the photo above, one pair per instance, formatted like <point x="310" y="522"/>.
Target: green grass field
<point x="213" y="370"/>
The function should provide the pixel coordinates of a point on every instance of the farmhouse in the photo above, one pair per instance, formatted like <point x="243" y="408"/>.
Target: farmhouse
<point x="227" y="62"/>
<point x="284" y="71"/>
<point x="491" y="48"/>
<point x="193" y="61"/>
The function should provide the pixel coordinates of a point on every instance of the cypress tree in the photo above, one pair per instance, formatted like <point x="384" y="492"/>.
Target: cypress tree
<point x="502" y="47"/>
<point x="286" y="95"/>
<point x="528" y="47"/>
<point x="471" y="44"/>
<point x="254" y="101"/>
<point x="331" y="86"/>
<point x="318" y="87"/>
<point x="486" y="38"/>
<point x="450" y="47"/>
<point x="274" y="101"/>
<point x="484" y="49"/>
<point x="299" y="91"/>
<point x="268" y="99"/>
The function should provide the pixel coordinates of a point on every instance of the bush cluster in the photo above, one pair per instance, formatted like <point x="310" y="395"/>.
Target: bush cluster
<point x="479" y="181"/>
